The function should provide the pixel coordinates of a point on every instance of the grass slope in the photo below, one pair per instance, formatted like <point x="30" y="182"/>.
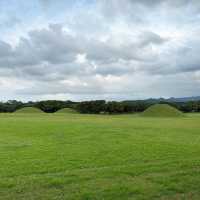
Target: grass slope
<point x="67" y="111"/>
<point x="95" y="157"/>
<point x="30" y="110"/>
<point x="162" y="110"/>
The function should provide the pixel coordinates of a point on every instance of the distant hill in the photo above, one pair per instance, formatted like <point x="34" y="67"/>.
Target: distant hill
<point x="173" y="99"/>
<point x="184" y="99"/>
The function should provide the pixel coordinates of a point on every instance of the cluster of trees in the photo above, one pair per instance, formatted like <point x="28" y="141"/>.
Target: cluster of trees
<point x="10" y="106"/>
<point x="102" y="106"/>
<point x="99" y="106"/>
<point x="191" y="106"/>
<point x="51" y="106"/>
<point x="48" y="106"/>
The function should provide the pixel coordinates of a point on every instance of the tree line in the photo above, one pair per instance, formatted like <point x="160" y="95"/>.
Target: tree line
<point x="98" y="106"/>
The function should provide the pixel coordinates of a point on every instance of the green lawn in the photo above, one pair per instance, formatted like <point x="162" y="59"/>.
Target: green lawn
<point x="89" y="157"/>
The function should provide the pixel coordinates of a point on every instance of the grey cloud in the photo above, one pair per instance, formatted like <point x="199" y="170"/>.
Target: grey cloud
<point x="150" y="3"/>
<point x="5" y="49"/>
<point x="55" y="47"/>
<point x="54" y="51"/>
<point x="140" y="12"/>
<point x="151" y="38"/>
<point x="46" y="45"/>
<point x="43" y="88"/>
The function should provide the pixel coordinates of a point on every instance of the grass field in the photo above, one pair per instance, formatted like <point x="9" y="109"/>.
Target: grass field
<point x="89" y="157"/>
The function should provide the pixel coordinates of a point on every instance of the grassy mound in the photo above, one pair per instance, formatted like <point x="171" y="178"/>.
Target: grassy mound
<point x="162" y="110"/>
<point x="66" y="111"/>
<point x="29" y="110"/>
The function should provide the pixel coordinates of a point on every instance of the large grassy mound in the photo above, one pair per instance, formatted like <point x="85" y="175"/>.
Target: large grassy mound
<point x="67" y="111"/>
<point x="162" y="110"/>
<point x="29" y="110"/>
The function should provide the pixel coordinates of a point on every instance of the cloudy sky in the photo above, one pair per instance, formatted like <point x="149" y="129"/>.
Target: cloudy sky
<point x="99" y="49"/>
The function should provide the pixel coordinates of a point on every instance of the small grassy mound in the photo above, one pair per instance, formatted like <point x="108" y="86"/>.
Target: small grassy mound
<point x="66" y="111"/>
<point x="29" y="110"/>
<point x="162" y="110"/>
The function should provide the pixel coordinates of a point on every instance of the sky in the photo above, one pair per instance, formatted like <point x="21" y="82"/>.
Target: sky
<point x="99" y="49"/>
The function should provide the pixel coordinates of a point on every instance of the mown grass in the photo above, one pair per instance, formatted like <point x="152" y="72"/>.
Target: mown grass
<point x="99" y="157"/>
